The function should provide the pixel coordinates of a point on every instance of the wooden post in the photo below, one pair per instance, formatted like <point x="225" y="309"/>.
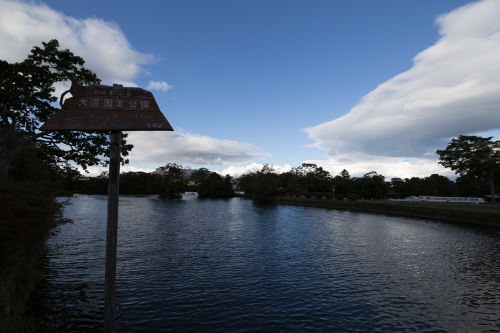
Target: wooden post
<point x="111" y="235"/>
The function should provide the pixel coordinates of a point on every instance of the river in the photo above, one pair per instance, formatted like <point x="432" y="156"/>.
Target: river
<point x="231" y="266"/>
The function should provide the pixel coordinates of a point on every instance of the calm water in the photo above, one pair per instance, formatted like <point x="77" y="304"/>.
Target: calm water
<point x="231" y="266"/>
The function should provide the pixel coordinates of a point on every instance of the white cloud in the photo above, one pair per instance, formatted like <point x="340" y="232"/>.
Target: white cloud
<point x="94" y="171"/>
<point x="102" y="44"/>
<point x="236" y="171"/>
<point x="453" y="88"/>
<point x="358" y="164"/>
<point x="154" y="149"/>
<point x="159" y="85"/>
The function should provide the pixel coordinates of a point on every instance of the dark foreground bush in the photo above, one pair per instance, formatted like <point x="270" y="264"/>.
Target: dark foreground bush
<point x="28" y="213"/>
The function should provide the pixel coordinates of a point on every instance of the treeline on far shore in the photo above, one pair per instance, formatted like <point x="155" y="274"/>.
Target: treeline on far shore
<point x="168" y="182"/>
<point x="307" y="181"/>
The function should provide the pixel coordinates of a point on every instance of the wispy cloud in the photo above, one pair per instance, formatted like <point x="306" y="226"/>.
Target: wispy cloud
<point x="452" y="88"/>
<point x="159" y="85"/>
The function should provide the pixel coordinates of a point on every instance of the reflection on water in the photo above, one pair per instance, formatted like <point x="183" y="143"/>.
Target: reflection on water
<point x="229" y="265"/>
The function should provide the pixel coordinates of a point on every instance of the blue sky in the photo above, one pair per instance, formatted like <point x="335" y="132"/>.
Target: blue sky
<point x="361" y="85"/>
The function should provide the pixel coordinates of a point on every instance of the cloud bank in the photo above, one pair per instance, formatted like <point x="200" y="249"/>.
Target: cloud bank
<point x="158" y="148"/>
<point x="358" y="164"/>
<point x="452" y="88"/>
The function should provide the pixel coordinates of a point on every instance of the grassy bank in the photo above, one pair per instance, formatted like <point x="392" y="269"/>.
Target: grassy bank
<point x="28" y="213"/>
<point x="475" y="214"/>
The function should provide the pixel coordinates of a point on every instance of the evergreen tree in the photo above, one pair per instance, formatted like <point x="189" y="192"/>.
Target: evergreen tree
<point x="26" y="102"/>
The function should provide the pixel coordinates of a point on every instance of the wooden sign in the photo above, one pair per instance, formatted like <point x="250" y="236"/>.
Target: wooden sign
<point x="108" y="108"/>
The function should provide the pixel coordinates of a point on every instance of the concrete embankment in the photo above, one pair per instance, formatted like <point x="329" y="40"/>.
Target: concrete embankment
<point x="472" y="214"/>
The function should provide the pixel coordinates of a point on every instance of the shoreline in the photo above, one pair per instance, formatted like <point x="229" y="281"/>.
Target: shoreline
<point x="487" y="215"/>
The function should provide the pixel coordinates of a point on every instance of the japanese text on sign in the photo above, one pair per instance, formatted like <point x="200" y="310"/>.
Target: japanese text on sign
<point x="110" y="103"/>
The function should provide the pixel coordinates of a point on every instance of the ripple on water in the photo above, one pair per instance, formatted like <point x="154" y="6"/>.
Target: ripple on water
<point x="228" y="265"/>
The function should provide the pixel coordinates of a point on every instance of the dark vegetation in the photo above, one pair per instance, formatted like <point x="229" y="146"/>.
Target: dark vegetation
<point x="173" y="182"/>
<point x="169" y="182"/>
<point x="28" y="214"/>
<point x="311" y="181"/>
<point x="476" y="157"/>
<point x="211" y="185"/>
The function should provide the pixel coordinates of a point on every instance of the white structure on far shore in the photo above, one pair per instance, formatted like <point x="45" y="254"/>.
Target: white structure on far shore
<point x="445" y="199"/>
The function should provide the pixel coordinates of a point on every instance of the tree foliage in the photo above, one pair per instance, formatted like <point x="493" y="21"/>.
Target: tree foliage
<point x="210" y="184"/>
<point x="260" y="185"/>
<point x="174" y="182"/>
<point x="372" y="186"/>
<point x="342" y="185"/>
<point x="27" y="101"/>
<point x="314" y="180"/>
<point x="473" y="156"/>
<point x="28" y="213"/>
<point x="140" y="183"/>
<point x="265" y="184"/>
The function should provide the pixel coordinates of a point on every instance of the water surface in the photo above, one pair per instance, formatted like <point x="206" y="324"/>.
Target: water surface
<point x="232" y="266"/>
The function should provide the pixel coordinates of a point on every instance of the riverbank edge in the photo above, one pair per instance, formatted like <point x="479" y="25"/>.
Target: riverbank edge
<point x="452" y="215"/>
<point x="29" y="214"/>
